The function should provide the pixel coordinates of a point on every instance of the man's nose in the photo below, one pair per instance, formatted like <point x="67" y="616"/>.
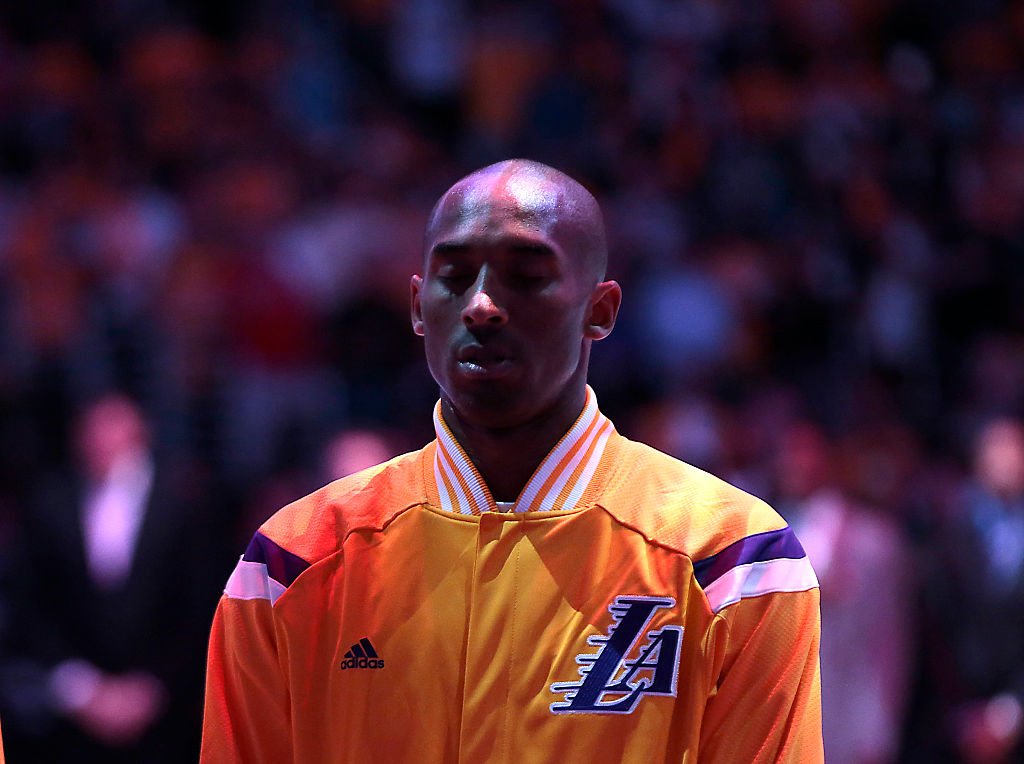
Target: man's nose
<point x="482" y="310"/>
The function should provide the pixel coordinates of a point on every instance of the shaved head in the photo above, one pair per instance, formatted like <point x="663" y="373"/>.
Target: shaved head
<point x="540" y="195"/>
<point x="512" y="296"/>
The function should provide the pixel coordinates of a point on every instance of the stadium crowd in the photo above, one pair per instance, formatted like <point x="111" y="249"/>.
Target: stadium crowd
<point x="817" y="216"/>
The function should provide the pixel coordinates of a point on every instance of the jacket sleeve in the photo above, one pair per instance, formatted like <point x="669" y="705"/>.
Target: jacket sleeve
<point x="247" y="716"/>
<point x="765" y="702"/>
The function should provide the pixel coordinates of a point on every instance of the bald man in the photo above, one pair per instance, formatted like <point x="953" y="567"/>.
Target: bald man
<point x="531" y="585"/>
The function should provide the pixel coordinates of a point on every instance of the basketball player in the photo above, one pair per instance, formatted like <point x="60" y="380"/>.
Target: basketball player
<point x="531" y="585"/>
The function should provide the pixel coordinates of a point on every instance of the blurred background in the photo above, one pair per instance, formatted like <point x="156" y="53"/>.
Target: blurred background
<point x="209" y="212"/>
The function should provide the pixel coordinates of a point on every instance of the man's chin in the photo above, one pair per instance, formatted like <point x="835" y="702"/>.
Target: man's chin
<point x="494" y="404"/>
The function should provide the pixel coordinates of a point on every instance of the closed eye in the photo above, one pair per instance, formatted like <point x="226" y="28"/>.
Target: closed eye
<point x="528" y="280"/>
<point x="449" y="272"/>
<point x="455" y="279"/>
<point x="452" y="265"/>
<point x="532" y="266"/>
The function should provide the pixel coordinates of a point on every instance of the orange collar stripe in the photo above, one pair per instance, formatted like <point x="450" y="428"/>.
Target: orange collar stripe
<point x="584" y="471"/>
<point x="558" y="473"/>
<point x="558" y="482"/>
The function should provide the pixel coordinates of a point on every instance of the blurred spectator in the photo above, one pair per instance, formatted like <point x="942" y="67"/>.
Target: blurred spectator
<point x="355" y="450"/>
<point x="689" y="324"/>
<point x="118" y="578"/>
<point x="863" y="565"/>
<point x="346" y="452"/>
<point x="976" y="598"/>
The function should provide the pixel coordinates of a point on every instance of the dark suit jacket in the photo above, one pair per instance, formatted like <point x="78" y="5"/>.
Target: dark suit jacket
<point x="157" y="621"/>
<point x="972" y="627"/>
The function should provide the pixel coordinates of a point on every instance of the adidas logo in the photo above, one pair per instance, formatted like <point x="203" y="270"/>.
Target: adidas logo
<point x="362" y="655"/>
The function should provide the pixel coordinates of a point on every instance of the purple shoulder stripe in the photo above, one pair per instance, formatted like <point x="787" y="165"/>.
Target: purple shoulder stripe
<point x="282" y="566"/>
<point x="760" y="547"/>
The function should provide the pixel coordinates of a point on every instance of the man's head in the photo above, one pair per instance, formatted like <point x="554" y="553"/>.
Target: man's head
<point x="110" y="430"/>
<point x="999" y="457"/>
<point x="513" y="292"/>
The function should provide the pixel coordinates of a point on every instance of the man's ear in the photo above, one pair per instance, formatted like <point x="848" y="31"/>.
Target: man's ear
<point x="604" y="308"/>
<point x="415" y="287"/>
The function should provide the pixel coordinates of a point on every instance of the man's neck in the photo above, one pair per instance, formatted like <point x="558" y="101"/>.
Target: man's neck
<point x="506" y="458"/>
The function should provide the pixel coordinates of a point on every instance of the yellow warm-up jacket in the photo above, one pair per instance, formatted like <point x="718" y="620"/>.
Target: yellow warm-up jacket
<point x="628" y="608"/>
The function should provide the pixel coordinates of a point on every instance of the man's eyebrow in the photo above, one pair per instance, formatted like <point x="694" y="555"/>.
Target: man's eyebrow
<point x="449" y="248"/>
<point x="522" y="247"/>
<point x="531" y="248"/>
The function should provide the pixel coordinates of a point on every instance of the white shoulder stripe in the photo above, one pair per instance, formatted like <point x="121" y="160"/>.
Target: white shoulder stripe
<point x="757" y="578"/>
<point x="250" y="581"/>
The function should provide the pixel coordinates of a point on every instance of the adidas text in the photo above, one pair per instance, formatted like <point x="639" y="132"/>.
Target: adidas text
<point x="362" y="656"/>
<point x="372" y="663"/>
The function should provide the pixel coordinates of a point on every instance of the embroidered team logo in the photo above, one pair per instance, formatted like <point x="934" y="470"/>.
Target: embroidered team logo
<point x="615" y="678"/>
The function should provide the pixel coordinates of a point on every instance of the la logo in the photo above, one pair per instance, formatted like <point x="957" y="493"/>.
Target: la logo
<point x="613" y="682"/>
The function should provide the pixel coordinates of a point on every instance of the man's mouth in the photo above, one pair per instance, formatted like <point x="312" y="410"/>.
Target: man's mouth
<point x="480" y="361"/>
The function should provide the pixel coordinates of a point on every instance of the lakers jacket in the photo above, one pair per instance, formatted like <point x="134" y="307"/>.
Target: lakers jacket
<point x="628" y="607"/>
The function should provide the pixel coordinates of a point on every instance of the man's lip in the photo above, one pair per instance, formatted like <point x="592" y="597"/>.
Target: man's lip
<point x="481" y="362"/>
<point x="486" y="369"/>
<point x="481" y="355"/>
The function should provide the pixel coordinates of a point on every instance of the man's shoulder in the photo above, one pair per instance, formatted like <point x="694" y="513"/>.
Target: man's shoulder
<point x="681" y="506"/>
<point x="315" y="526"/>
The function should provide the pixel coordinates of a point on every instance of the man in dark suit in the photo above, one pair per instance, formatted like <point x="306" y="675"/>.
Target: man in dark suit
<point x="971" y="691"/>
<point x="116" y="569"/>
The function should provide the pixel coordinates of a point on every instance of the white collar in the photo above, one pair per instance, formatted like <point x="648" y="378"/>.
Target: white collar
<point x="558" y="483"/>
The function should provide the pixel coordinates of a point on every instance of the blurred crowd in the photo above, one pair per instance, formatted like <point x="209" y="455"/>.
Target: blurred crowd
<point x="209" y="213"/>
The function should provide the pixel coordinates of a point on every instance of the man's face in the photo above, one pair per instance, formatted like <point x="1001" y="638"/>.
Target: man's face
<point x="504" y="299"/>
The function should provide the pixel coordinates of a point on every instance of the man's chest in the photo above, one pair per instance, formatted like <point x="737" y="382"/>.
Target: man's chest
<point x="484" y="641"/>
